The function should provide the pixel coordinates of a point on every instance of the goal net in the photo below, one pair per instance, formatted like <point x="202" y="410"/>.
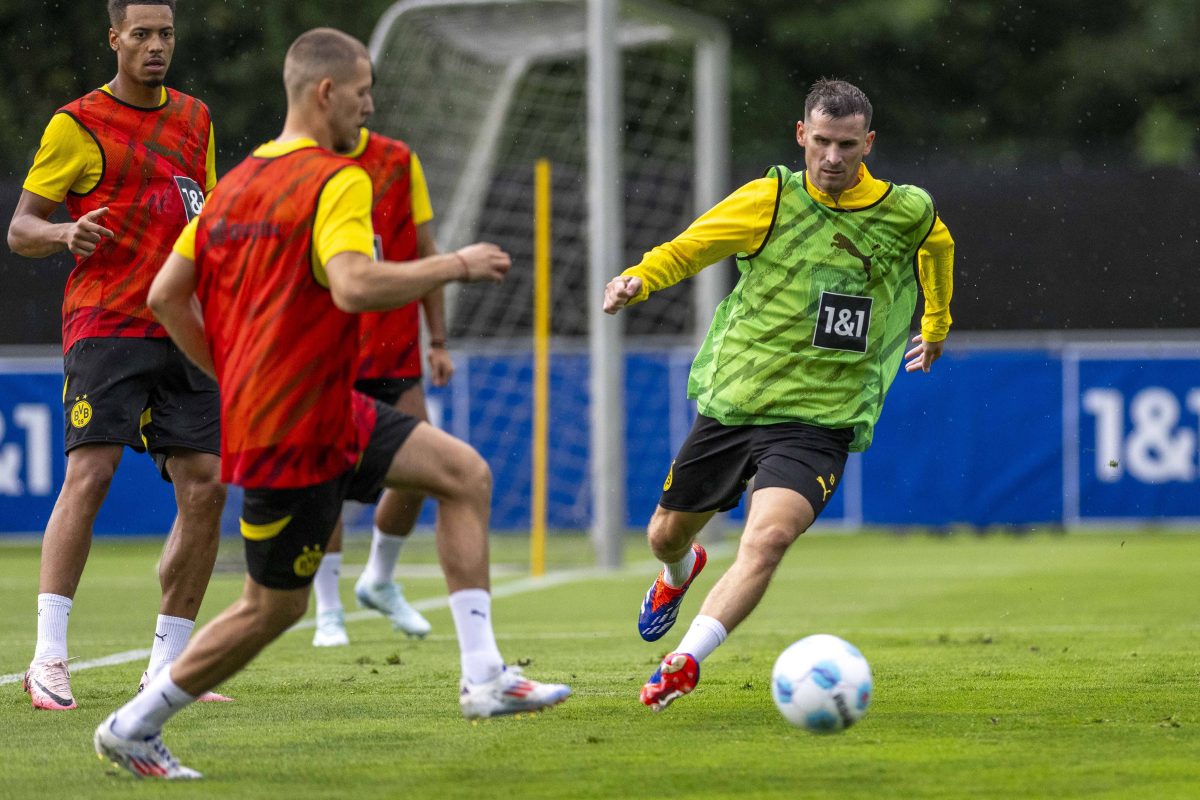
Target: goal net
<point x="481" y="90"/>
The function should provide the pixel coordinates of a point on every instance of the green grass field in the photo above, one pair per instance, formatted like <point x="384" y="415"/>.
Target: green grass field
<point x="1009" y="667"/>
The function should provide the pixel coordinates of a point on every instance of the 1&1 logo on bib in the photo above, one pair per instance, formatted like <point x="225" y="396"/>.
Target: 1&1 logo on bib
<point x="192" y="194"/>
<point x="843" y="322"/>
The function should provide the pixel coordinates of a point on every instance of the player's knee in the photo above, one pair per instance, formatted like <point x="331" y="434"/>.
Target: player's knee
<point x="275" y="613"/>
<point x="767" y="544"/>
<point x="201" y="494"/>
<point x="469" y="476"/>
<point x="664" y="536"/>
<point x="89" y="474"/>
<point x="294" y="609"/>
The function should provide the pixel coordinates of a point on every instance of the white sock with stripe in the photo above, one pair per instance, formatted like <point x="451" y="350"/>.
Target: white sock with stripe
<point x="150" y="709"/>
<point x="171" y="635"/>
<point x="472" y="612"/>
<point x="53" y="612"/>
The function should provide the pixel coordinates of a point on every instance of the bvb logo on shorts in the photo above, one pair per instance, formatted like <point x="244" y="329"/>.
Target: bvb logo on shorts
<point x="670" y="477"/>
<point x="307" y="562"/>
<point x="81" y="412"/>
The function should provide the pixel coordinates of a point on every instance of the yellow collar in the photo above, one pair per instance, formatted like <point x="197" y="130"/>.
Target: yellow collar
<point x="868" y="190"/>
<point x="274" y="149"/>
<point x="361" y="147"/>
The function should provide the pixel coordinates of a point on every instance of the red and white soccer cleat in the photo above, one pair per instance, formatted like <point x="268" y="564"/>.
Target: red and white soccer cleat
<point x="676" y="676"/>
<point x="145" y="758"/>
<point x="509" y="693"/>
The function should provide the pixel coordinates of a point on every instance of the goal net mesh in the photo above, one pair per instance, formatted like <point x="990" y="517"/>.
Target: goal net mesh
<point x="481" y="91"/>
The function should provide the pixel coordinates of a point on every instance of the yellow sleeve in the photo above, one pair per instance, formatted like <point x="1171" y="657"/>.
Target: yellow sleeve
<point x="68" y="159"/>
<point x="935" y="266"/>
<point x="343" y="222"/>
<point x="210" y="161"/>
<point x="185" y="245"/>
<point x="736" y="225"/>
<point x="422" y="209"/>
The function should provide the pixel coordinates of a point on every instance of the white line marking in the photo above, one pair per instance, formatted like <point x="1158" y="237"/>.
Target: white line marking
<point x="105" y="661"/>
<point x="510" y="589"/>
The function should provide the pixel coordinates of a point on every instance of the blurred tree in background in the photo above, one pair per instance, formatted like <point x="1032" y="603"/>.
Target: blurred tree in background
<point x="996" y="81"/>
<point x="987" y="80"/>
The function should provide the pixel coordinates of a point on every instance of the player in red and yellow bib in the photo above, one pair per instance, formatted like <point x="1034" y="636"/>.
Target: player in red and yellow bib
<point x="389" y="371"/>
<point x="132" y="162"/>
<point x="280" y="262"/>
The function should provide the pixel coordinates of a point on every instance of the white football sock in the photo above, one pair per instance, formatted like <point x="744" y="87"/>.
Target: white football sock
<point x="676" y="574"/>
<point x="381" y="564"/>
<point x="705" y="635"/>
<point x="325" y="583"/>
<point x="170" y="637"/>
<point x="150" y="709"/>
<point x="472" y="611"/>
<point x="53" y="611"/>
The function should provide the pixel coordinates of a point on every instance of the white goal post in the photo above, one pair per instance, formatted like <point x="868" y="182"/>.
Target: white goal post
<point x="481" y="88"/>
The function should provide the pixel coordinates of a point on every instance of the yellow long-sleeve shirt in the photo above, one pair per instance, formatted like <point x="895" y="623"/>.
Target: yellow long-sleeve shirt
<point x="739" y="224"/>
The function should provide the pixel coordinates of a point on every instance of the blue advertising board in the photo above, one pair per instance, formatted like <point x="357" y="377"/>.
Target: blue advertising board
<point x="32" y="464"/>
<point x="991" y="437"/>
<point x="1135" y="417"/>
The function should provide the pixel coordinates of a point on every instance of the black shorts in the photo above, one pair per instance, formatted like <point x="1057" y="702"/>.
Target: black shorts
<point x="143" y="393"/>
<point x="387" y="390"/>
<point x="716" y="461"/>
<point x="286" y="530"/>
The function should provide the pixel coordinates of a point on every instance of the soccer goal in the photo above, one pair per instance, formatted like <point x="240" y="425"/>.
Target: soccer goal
<point x="483" y="89"/>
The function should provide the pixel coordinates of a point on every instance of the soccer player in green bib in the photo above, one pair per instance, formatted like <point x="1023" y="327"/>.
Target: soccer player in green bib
<point x="799" y="357"/>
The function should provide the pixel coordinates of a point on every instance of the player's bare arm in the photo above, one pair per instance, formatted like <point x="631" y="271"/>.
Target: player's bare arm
<point x="359" y="284"/>
<point x="441" y="365"/>
<point x="172" y="298"/>
<point x="32" y="234"/>
<point x="620" y="291"/>
<point x="923" y="355"/>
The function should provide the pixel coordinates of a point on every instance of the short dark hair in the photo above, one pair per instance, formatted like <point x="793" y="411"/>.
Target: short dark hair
<point x="117" y="8"/>
<point x="321" y="53"/>
<point x="837" y="99"/>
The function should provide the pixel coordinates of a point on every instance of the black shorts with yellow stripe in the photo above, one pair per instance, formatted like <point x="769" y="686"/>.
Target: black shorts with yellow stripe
<point x="143" y="393"/>
<point x="716" y="461"/>
<point x="286" y="530"/>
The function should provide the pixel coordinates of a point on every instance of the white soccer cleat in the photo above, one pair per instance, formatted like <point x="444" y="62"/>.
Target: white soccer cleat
<point x="509" y="693"/>
<point x="388" y="599"/>
<point x="331" y="629"/>
<point x="145" y="758"/>
<point x="49" y="686"/>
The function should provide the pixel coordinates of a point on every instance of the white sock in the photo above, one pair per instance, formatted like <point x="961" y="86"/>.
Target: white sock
<point x="677" y="573"/>
<point x="325" y="583"/>
<point x="53" y="611"/>
<point x="381" y="564"/>
<point x="705" y="635"/>
<point x="472" y="611"/>
<point x="170" y="637"/>
<point x="150" y="708"/>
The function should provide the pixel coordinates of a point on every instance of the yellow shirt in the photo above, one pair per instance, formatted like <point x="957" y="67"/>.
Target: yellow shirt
<point x="68" y="159"/>
<point x="422" y="208"/>
<point x="343" y="222"/>
<point x="739" y="224"/>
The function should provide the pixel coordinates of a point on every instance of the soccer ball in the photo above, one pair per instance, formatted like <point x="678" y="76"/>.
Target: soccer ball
<point x="822" y="684"/>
